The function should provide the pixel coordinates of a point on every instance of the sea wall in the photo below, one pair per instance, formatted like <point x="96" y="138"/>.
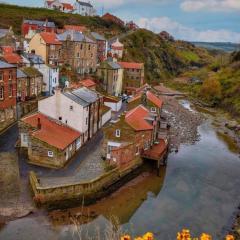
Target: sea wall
<point x="89" y="190"/>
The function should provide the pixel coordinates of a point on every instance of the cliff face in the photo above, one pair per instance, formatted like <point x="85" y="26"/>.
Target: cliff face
<point x="162" y="58"/>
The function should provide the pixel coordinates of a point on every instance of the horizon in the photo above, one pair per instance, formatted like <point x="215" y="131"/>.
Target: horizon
<point x="190" y="20"/>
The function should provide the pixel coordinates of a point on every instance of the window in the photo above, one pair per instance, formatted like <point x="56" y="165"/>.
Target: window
<point x="1" y="93"/>
<point x="10" y="90"/>
<point x="81" y="47"/>
<point x="1" y="76"/>
<point x="50" y="154"/>
<point x="137" y="150"/>
<point x="153" y="109"/>
<point x="70" y="147"/>
<point x="10" y="75"/>
<point x="89" y="47"/>
<point x="60" y="118"/>
<point x="52" y="47"/>
<point x="118" y="133"/>
<point x="71" y="108"/>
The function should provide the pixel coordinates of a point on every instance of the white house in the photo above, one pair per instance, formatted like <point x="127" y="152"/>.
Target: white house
<point x="79" y="109"/>
<point x="50" y="72"/>
<point x="59" y="5"/>
<point x="116" y="49"/>
<point x="84" y="8"/>
<point x="113" y="102"/>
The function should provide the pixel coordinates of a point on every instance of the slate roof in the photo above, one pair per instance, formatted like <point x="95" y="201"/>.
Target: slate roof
<point x="5" y="65"/>
<point x="51" y="132"/>
<point x="97" y="36"/>
<point x="40" y="23"/>
<point x="33" y="58"/>
<point x="21" y="74"/>
<point x="82" y="96"/>
<point x="76" y="36"/>
<point x="3" y="32"/>
<point x="86" y="4"/>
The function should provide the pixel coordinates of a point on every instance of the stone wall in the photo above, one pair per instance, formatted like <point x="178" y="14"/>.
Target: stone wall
<point x="7" y="117"/>
<point x="89" y="190"/>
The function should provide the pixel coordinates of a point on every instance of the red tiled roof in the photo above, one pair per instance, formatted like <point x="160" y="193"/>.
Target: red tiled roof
<point x="68" y="6"/>
<point x="75" y="28"/>
<point x="156" y="151"/>
<point x="154" y="99"/>
<point x="88" y="83"/>
<point x="131" y="65"/>
<point x="111" y="99"/>
<point x="51" y="132"/>
<point x="136" y="119"/>
<point x="50" y="38"/>
<point x="12" y="58"/>
<point x="151" y="97"/>
<point x="7" y="49"/>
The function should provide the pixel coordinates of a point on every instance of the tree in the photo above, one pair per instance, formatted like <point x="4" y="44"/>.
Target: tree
<point x="211" y="91"/>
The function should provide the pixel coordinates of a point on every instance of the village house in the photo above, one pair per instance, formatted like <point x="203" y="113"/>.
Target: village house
<point x="78" y="51"/>
<point x="111" y="18"/>
<point x="31" y="27"/>
<point x="34" y="82"/>
<point x="84" y="8"/>
<point x="110" y="75"/>
<point x="8" y="92"/>
<point x="134" y="134"/>
<point x="12" y="58"/>
<point x="59" y="6"/>
<point x="49" y="143"/>
<point x="133" y="76"/>
<point x="7" y="38"/>
<point x="47" y="46"/>
<point x="115" y="103"/>
<point x="101" y="46"/>
<point x="116" y="49"/>
<point x="79" y="109"/>
<point x="50" y="72"/>
<point x="22" y="86"/>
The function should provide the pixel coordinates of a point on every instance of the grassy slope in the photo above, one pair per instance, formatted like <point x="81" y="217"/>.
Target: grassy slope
<point x="228" y="76"/>
<point x="12" y="15"/>
<point x="162" y="59"/>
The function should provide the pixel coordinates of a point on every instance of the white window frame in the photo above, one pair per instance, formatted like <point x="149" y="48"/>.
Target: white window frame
<point x="50" y="154"/>
<point x="118" y="133"/>
<point x="153" y="109"/>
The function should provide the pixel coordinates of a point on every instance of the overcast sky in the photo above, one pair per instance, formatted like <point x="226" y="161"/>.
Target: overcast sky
<point x="193" y="20"/>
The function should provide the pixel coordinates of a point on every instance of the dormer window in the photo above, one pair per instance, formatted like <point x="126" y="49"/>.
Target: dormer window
<point x="118" y="133"/>
<point x="153" y="109"/>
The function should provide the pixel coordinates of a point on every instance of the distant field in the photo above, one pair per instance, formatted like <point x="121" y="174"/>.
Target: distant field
<point x="227" y="47"/>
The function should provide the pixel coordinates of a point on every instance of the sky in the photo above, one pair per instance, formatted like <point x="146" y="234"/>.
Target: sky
<point x="191" y="20"/>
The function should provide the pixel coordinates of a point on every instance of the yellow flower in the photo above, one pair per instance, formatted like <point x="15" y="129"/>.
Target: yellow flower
<point x="138" y="238"/>
<point x="230" y="237"/>
<point x="205" y="236"/>
<point x="148" y="236"/>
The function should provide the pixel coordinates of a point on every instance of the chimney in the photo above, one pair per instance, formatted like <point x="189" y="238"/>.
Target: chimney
<point x="39" y="125"/>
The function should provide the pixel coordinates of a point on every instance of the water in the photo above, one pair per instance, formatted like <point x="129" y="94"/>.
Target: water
<point x="199" y="190"/>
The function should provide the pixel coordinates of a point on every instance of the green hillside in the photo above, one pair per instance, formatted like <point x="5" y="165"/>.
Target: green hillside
<point x="12" y="15"/>
<point x="163" y="59"/>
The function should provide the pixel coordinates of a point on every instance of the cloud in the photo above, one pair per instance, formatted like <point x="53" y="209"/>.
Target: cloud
<point x="210" y="5"/>
<point x="179" y="31"/>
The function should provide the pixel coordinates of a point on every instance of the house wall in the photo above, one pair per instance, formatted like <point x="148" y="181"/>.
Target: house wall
<point x="119" y="83"/>
<point x="60" y="107"/>
<point x="8" y="103"/>
<point x="39" y="46"/>
<point x="114" y="106"/>
<point x="106" y="117"/>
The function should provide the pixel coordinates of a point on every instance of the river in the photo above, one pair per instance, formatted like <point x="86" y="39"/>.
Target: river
<point x="199" y="190"/>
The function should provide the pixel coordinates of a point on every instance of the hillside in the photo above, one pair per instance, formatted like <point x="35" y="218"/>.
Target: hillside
<point x="12" y="15"/>
<point x="163" y="59"/>
<point x="220" y="83"/>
